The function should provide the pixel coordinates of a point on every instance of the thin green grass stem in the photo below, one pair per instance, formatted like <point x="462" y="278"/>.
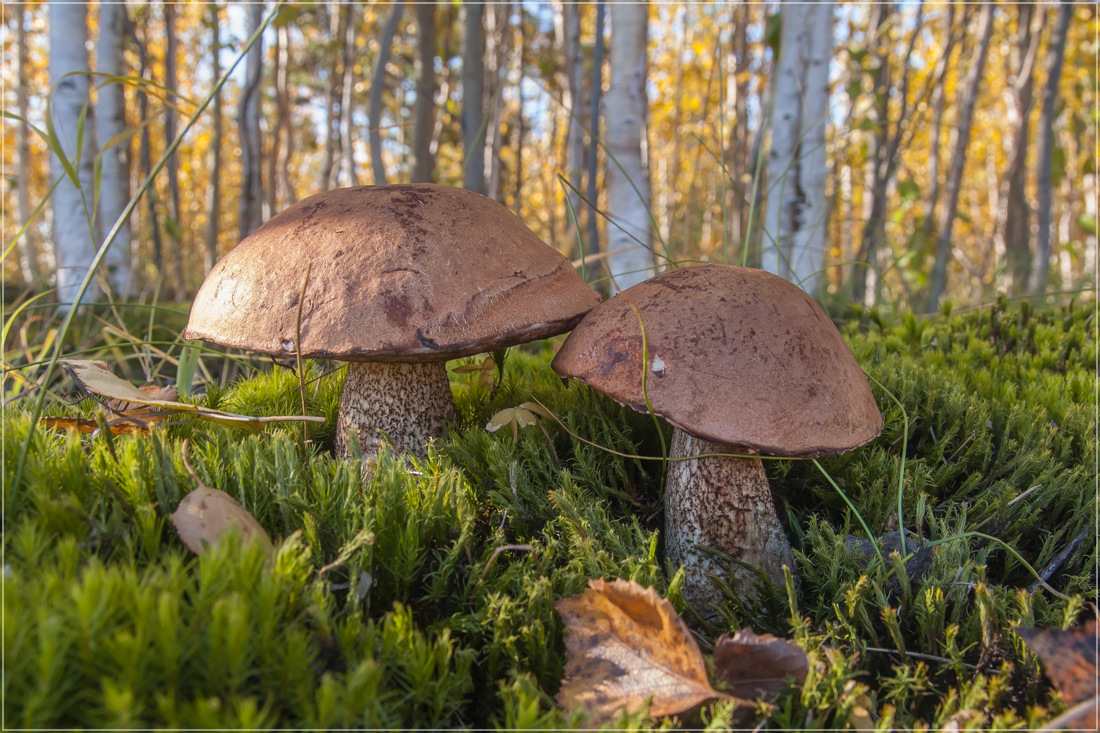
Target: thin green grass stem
<point x="852" y="507"/>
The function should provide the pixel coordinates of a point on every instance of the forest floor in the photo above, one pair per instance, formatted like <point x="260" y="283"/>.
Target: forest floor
<point x="389" y="604"/>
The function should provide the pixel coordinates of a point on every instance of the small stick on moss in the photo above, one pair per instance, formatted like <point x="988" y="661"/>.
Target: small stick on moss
<point x="1057" y="563"/>
<point x="502" y="548"/>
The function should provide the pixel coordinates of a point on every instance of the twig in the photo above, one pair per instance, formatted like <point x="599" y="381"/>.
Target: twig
<point x="926" y="657"/>
<point x="1057" y="563"/>
<point x="502" y="548"/>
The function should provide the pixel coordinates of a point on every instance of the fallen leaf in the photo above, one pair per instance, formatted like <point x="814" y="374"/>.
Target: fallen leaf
<point x="122" y="418"/>
<point x="206" y="515"/>
<point x="1070" y="660"/>
<point x="625" y="645"/>
<point x="95" y="377"/>
<point x="751" y="666"/>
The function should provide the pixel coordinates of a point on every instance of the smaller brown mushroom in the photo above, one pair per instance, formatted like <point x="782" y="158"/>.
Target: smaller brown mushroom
<point x="396" y="281"/>
<point x="740" y="362"/>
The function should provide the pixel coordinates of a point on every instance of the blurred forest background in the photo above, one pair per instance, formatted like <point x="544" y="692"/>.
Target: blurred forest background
<point x="877" y="153"/>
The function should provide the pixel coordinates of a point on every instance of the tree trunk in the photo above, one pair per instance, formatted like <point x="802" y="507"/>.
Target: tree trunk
<point x="496" y="52"/>
<point x="28" y="256"/>
<point x="1056" y="53"/>
<point x="592" y="192"/>
<point x="630" y="260"/>
<point x="966" y="99"/>
<point x="347" y="87"/>
<point x="330" y="167"/>
<point x="574" y="87"/>
<point x="939" y="103"/>
<point x="74" y="241"/>
<point x="214" y="204"/>
<point x="114" y="190"/>
<point x="518" y="43"/>
<point x="473" y="97"/>
<point x="250" y="208"/>
<point x="424" y="105"/>
<point x="1015" y="213"/>
<point x="146" y="150"/>
<point x="172" y="169"/>
<point x="377" y="87"/>
<point x="795" y="215"/>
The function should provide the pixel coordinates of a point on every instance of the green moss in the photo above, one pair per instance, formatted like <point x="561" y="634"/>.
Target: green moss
<point x="391" y="603"/>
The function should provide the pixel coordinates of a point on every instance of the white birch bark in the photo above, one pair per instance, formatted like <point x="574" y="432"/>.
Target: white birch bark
<point x="110" y="117"/>
<point x="250" y="206"/>
<point x="74" y="240"/>
<point x="795" y="226"/>
<point x="628" y="194"/>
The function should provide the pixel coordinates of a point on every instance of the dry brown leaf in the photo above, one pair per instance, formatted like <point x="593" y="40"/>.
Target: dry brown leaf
<point x="1070" y="660"/>
<point x="206" y="515"/>
<point x="624" y="645"/>
<point x="751" y="666"/>
<point x="122" y="418"/>
<point x="96" y="377"/>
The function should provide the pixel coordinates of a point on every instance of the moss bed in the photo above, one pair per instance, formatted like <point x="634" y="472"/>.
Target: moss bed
<point x="416" y="621"/>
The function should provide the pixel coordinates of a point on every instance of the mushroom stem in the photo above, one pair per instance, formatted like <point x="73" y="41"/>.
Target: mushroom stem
<point x="723" y="503"/>
<point x="411" y="403"/>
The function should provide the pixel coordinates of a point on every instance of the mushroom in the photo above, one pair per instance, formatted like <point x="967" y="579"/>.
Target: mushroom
<point x="395" y="280"/>
<point x="739" y="362"/>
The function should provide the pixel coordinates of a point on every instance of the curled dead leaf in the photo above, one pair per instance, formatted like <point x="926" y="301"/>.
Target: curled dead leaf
<point x="750" y="665"/>
<point x="1069" y="658"/>
<point x="626" y="645"/>
<point x="517" y="417"/>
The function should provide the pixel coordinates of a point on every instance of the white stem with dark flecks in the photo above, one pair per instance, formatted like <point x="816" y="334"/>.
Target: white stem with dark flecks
<point x="723" y="503"/>
<point x="411" y="403"/>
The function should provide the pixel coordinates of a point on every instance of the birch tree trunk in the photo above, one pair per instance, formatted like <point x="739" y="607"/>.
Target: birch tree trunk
<point x="424" y="105"/>
<point x="329" y="166"/>
<point x="378" y="87"/>
<point x="630" y="259"/>
<point x="1056" y="53"/>
<point x="347" y="86"/>
<point x="74" y="240"/>
<point x="794" y="245"/>
<point x="473" y="97"/>
<point x="574" y="102"/>
<point x="1015" y="213"/>
<point x="28" y="255"/>
<point x="175" y="216"/>
<point x="592" y="190"/>
<point x="250" y="208"/>
<point x="939" y="103"/>
<point x="214" y="204"/>
<point x="966" y="99"/>
<point x="114" y="189"/>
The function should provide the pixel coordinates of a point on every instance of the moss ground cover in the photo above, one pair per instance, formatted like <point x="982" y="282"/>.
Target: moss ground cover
<point x="390" y="603"/>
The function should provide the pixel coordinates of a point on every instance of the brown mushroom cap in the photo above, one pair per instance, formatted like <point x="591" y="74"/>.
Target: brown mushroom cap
<point x="417" y="272"/>
<point x="736" y="356"/>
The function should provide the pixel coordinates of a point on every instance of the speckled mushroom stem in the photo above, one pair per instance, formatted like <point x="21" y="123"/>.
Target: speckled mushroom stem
<point x="409" y="402"/>
<point x="723" y="503"/>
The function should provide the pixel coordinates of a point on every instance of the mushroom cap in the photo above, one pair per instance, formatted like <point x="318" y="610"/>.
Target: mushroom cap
<point x="736" y="356"/>
<point x="417" y="272"/>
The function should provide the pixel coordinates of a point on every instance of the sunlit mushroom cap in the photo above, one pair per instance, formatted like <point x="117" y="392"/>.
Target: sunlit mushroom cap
<point x="416" y="272"/>
<point x="735" y="356"/>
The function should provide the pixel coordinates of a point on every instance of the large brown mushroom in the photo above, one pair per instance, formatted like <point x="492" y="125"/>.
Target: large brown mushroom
<point x="740" y="362"/>
<point x="401" y="279"/>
